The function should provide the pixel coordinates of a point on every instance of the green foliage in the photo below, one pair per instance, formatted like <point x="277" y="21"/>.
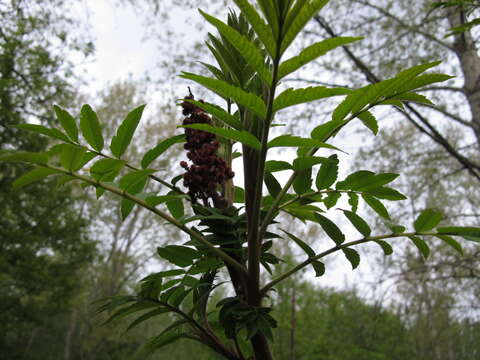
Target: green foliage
<point x="220" y="236"/>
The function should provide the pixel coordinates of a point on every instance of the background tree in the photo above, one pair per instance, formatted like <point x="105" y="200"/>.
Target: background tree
<point x="43" y="243"/>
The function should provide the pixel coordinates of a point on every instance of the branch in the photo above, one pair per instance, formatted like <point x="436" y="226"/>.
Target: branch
<point x="335" y="249"/>
<point x="434" y="134"/>
<point x="224" y="256"/>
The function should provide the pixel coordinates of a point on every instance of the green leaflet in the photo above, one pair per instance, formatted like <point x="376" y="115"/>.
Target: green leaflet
<point x="258" y="24"/>
<point x="272" y="184"/>
<point x="219" y="113"/>
<point x="72" y="156"/>
<point x="32" y="176"/>
<point x="126" y="207"/>
<point x="90" y="127"/>
<point x="303" y="245"/>
<point x="182" y="256"/>
<point x="319" y="268"/>
<point x="451" y="242"/>
<point x="124" y="135"/>
<point x="306" y="162"/>
<point x="292" y="97"/>
<point x="467" y="232"/>
<point x="67" y="121"/>
<point x="369" y="121"/>
<point x="275" y="165"/>
<point x="148" y="315"/>
<point x="331" y="229"/>
<point x="376" y="206"/>
<point x="424" y="80"/>
<point x="245" y="47"/>
<point x="352" y="256"/>
<point x="40" y="158"/>
<point x="226" y="90"/>
<point x="421" y="245"/>
<point x="135" y="181"/>
<point x="360" y="224"/>
<point x="427" y="220"/>
<point x="297" y="141"/>
<point x="386" y="247"/>
<point x="175" y="206"/>
<point x="242" y="136"/>
<point x="329" y="129"/>
<point x="313" y="52"/>
<point x="328" y="173"/>
<point x="298" y="22"/>
<point x="152" y="154"/>
<point x="412" y="97"/>
<point x="40" y="129"/>
<point x="364" y="180"/>
<point x="269" y="10"/>
<point x="303" y="181"/>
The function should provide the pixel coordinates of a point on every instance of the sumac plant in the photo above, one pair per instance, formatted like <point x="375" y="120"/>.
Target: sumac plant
<point x="228" y="230"/>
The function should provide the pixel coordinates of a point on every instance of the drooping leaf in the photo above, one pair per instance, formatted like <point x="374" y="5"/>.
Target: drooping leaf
<point x="152" y="154"/>
<point x="272" y="184"/>
<point x="330" y="229"/>
<point x="291" y="97"/>
<point x="32" y="176"/>
<point x="376" y="206"/>
<point x="125" y="131"/>
<point x="319" y="268"/>
<point x="421" y="245"/>
<point x="67" y="121"/>
<point x="182" y="256"/>
<point x="248" y="50"/>
<point x="353" y="201"/>
<point x="126" y="207"/>
<point x="386" y="247"/>
<point x="303" y="245"/>
<point x="312" y="52"/>
<point x="427" y="220"/>
<point x="328" y="173"/>
<point x="226" y="90"/>
<point x="90" y="126"/>
<point x="369" y="121"/>
<point x="242" y="136"/>
<point x="303" y="181"/>
<point x="451" y="242"/>
<point x="360" y="224"/>
<point x="175" y="206"/>
<point x="352" y="256"/>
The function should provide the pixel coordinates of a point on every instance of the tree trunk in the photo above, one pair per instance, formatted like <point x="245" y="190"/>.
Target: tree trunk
<point x="69" y="335"/>
<point x="466" y="51"/>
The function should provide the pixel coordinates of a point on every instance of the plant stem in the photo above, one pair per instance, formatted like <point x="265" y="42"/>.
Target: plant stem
<point x="224" y="256"/>
<point x="334" y="249"/>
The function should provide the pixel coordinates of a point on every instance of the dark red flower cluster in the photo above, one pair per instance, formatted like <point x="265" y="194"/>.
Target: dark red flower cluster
<point x="208" y="170"/>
